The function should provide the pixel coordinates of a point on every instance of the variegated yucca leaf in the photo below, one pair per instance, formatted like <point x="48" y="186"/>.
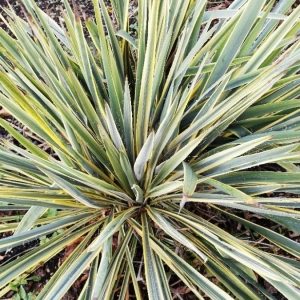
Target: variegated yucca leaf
<point x="139" y="134"/>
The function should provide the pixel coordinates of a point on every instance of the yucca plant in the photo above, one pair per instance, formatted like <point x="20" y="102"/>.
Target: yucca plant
<point x="133" y="140"/>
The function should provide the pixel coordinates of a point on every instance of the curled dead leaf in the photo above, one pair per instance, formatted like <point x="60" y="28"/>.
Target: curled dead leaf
<point x="4" y="113"/>
<point x="71" y="247"/>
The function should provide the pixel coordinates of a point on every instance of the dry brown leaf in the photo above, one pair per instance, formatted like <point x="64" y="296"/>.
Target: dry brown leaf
<point x="218" y="7"/>
<point x="291" y="235"/>
<point x="4" y="113"/>
<point x="181" y="290"/>
<point x="71" y="247"/>
<point x="77" y="284"/>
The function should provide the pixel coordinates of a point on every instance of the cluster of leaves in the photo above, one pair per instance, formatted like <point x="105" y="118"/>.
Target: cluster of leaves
<point x="140" y="127"/>
<point x="18" y="286"/>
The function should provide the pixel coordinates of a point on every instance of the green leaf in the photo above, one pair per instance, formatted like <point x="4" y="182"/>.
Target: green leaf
<point x="165" y="188"/>
<point x="51" y="212"/>
<point x="146" y="86"/>
<point x="128" y="123"/>
<point x="29" y="219"/>
<point x="155" y="287"/>
<point x="110" y="229"/>
<point x="103" y="267"/>
<point x="16" y="297"/>
<point x="182" y="268"/>
<point x="53" y="285"/>
<point x="189" y="185"/>
<point x="14" y="287"/>
<point x="271" y="42"/>
<point x="72" y="190"/>
<point x="37" y="232"/>
<point x="143" y="157"/>
<point x="125" y="35"/>
<point x="190" y="180"/>
<point x="139" y="197"/>
<point x="113" y="129"/>
<point x="176" y="159"/>
<point x="34" y="278"/>
<point x="242" y="27"/>
<point x="283" y="242"/>
<point x="175" y="234"/>
<point x="22" y="293"/>
<point x="288" y="290"/>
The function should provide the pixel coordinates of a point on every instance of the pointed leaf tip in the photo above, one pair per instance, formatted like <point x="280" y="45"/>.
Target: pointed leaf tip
<point x="182" y="202"/>
<point x="143" y="156"/>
